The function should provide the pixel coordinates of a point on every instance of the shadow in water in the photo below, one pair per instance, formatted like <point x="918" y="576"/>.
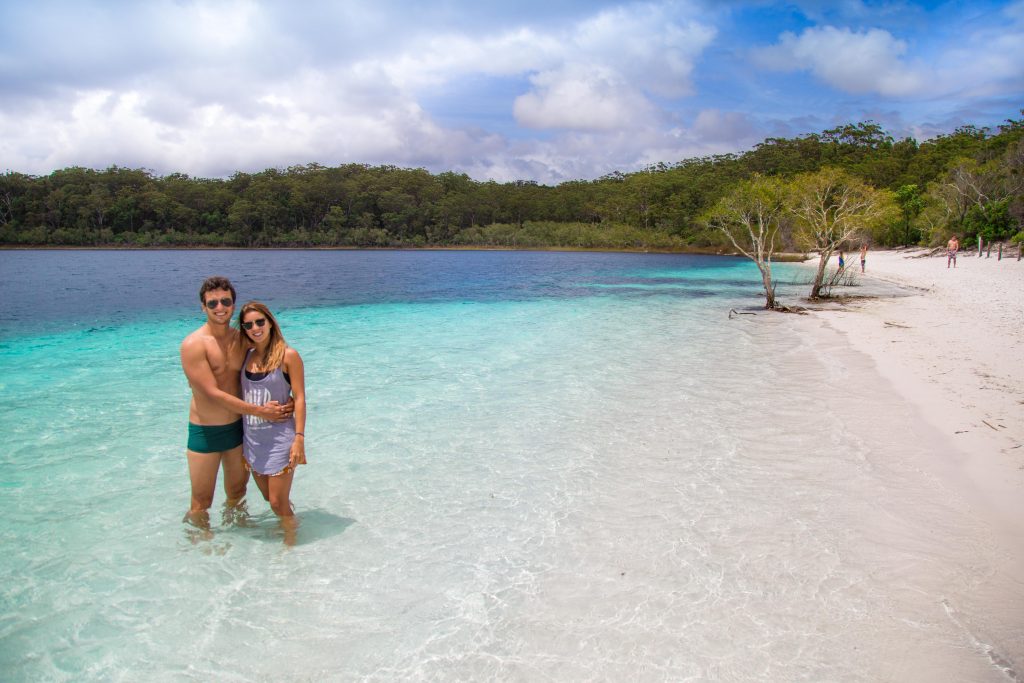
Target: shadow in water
<point x="316" y="525"/>
<point x="313" y="526"/>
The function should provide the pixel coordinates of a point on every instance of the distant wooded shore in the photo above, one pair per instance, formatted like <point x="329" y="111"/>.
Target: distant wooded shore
<point x="968" y="182"/>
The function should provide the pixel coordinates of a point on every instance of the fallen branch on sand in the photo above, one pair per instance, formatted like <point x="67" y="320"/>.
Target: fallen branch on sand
<point x="928" y="253"/>
<point x="889" y="324"/>
<point x="779" y="308"/>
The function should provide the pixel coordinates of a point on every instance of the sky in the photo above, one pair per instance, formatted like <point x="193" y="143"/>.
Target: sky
<point x="543" y="90"/>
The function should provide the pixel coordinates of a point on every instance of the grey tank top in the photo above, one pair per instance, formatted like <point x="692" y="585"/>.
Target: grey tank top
<point x="266" y="445"/>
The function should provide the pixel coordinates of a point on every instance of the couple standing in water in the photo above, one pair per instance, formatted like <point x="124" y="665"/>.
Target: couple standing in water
<point x="248" y="409"/>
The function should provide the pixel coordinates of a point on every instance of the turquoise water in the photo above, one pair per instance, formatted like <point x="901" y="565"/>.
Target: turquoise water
<point x="521" y="467"/>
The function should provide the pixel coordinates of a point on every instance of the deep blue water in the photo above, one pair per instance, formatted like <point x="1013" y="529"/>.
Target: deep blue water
<point x="54" y="291"/>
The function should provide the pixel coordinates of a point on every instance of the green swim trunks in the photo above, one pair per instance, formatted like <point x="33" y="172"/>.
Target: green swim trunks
<point x="214" y="438"/>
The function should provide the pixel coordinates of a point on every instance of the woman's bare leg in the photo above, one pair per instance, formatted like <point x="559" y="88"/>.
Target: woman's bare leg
<point x="280" y="502"/>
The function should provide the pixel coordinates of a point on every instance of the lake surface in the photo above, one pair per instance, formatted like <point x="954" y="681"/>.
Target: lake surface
<point x="522" y="466"/>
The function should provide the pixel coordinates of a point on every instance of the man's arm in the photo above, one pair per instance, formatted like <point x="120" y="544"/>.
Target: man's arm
<point x="200" y="377"/>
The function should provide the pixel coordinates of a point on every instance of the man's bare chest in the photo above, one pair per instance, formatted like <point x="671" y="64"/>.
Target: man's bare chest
<point x="225" y="359"/>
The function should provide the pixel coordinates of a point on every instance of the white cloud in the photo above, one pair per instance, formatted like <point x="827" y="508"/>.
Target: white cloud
<point x="609" y="65"/>
<point x="596" y="75"/>
<point x="244" y="85"/>
<point x="591" y="154"/>
<point x="310" y="118"/>
<point x="855" y="62"/>
<point x="442" y="58"/>
<point x="648" y="44"/>
<point x="982" y="62"/>
<point x="209" y="87"/>
<point x="592" y="98"/>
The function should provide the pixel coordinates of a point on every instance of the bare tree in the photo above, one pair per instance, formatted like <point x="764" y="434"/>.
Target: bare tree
<point x="968" y="184"/>
<point x="832" y="207"/>
<point x="751" y="217"/>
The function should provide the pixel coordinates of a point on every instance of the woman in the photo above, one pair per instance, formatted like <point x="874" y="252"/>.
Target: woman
<point x="272" y="371"/>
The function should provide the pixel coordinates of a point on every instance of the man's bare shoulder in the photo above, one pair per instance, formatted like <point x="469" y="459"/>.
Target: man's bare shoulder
<point x="204" y="343"/>
<point x="199" y="337"/>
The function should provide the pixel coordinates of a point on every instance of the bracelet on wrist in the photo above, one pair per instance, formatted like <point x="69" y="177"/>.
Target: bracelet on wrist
<point x="300" y="434"/>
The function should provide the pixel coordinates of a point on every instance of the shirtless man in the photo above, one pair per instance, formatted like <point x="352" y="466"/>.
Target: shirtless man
<point x="952" y="247"/>
<point x="212" y="359"/>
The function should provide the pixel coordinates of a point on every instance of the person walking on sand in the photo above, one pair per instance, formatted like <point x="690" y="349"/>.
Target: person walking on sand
<point x="952" y="247"/>
<point x="863" y="255"/>
<point x="211" y="357"/>
<point x="842" y="261"/>
<point x="272" y="371"/>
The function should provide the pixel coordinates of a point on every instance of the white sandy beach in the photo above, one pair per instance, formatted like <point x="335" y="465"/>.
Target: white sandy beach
<point x="955" y="351"/>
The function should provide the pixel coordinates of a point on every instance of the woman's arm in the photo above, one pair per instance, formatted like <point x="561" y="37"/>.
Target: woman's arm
<point x="200" y="377"/>
<point x="296" y="372"/>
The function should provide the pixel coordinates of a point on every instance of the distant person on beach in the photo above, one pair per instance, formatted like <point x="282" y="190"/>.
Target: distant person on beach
<point x="863" y="255"/>
<point x="952" y="247"/>
<point x="212" y="359"/>
<point x="842" y="261"/>
<point x="272" y="371"/>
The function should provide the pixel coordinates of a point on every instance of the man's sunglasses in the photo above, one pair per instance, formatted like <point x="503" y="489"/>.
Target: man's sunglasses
<point x="226" y="302"/>
<point x="259" y="322"/>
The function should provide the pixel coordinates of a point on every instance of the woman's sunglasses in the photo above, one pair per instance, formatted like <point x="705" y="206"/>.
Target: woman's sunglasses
<point x="259" y="322"/>
<point x="226" y="302"/>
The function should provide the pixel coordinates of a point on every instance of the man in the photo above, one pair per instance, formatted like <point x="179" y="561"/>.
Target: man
<point x="212" y="359"/>
<point x="952" y="247"/>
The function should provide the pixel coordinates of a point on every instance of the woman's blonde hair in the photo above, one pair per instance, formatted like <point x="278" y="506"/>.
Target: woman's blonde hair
<point x="273" y="355"/>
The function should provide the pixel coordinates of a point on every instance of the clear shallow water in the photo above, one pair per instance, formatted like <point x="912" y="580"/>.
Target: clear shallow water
<point x="523" y="466"/>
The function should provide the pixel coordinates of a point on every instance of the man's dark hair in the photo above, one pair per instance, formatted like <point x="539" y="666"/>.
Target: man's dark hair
<point x="216" y="282"/>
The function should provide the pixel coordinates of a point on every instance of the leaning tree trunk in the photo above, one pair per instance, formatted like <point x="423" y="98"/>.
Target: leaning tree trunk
<point x="819" y="275"/>
<point x="769" y="288"/>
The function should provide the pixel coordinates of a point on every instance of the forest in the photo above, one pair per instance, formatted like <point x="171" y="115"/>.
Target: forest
<point x="969" y="182"/>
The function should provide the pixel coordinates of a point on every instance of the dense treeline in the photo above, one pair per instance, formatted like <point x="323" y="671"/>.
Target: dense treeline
<point x="968" y="182"/>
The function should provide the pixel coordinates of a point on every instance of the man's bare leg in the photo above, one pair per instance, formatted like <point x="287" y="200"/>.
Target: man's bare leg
<point x="202" y="472"/>
<point x="236" y="478"/>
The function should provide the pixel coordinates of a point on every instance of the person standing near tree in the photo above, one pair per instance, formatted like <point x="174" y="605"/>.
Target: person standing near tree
<point x="842" y="261"/>
<point x="952" y="247"/>
<point x="863" y="255"/>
